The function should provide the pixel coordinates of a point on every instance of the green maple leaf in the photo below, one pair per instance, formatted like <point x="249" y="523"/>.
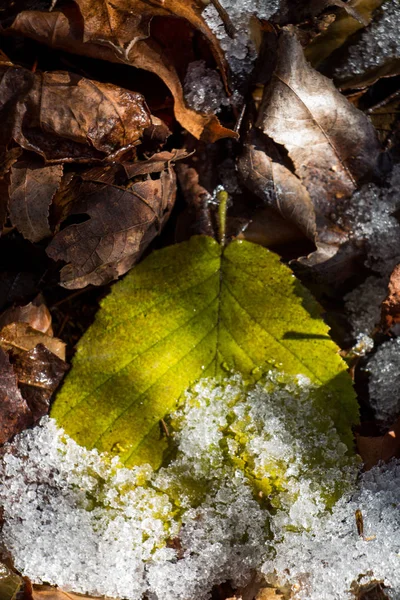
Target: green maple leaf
<point x="189" y="311"/>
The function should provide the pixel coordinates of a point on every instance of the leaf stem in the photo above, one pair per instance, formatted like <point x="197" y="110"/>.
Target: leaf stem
<point x="222" y="198"/>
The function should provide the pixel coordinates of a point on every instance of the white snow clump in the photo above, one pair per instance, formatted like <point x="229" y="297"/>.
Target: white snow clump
<point x="203" y="88"/>
<point x="384" y="381"/>
<point x="248" y="490"/>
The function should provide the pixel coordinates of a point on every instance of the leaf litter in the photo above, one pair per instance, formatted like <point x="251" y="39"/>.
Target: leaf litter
<point x="239" y="490"/>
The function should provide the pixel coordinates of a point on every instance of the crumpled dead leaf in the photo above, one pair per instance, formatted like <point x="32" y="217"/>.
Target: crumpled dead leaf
<point x="20" y="337"/>
<point x="48" y="592"/>
<point x="65" y="117"/>
<point x="15" y="415"/>
<point x="122" y="221"/>
<point x="35" y="314"/>
<point x="374" y="449"/>
<point x="390" y="312"/>
<point x="125" y="39"/>
<point x="332" y="144"/>
<point x="32" y="365"/>
<point x="31" y="191"/>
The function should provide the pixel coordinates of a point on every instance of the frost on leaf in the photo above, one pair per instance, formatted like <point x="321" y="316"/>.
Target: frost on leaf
<point x="189" y="311"/>
<point x="250" y="463"/>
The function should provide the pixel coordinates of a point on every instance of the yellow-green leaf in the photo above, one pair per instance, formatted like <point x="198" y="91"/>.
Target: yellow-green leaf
<point x="190" y="311"/>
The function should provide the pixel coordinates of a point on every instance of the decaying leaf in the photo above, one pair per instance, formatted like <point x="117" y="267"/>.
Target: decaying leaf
<point x="20" y="337"/>
<point x="345" y="25"/>
<point x="385" y="117"/>
<point x="292" y="11"/>
<point x="31" y="192"/>
<point x="10" y="582"/>
<point x="390" y="314"/>
<point x="39" y="372"/>
<point x="189" y="311"/>
<point x="64" y="29"/>
<point x="32" y="366"/>
<point x="35" y="314"/>
<point x="279" y="188"/>
<point x="122" y="222"/>
<point x="48" y="592"/>
<point x="14" y="411"/>
<point x="374" y="449"/>
<point x="65" y="117"/>
<point x="332" y="144"/>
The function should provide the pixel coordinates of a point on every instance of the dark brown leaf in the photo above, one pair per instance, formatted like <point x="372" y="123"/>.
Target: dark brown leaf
<point x="391" y="305"/>
<point x="7" y="159"/>
<point x="61" y="29"/>
<point x="48" y="592"/>
<point x="121" y="224"/>
<point x="157" y="163"/>
<point x="331" y="143"/>
<point x="35" y="314"/>
<point x="292" y="11"/>
<point x="197" y="219"/>
<point x="31" y="192"/>
<point x="63" y="116"/>
<point x="39" y="373"/>
<point x="14" y="411"/>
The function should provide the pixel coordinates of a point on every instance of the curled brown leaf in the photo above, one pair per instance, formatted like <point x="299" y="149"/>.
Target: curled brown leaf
<point x="65" y="117"/>
<point x="31" y="191"/>
<point x="121" y="223"/>
<point x="15" y="414"/>
<point x="63" y="29"/>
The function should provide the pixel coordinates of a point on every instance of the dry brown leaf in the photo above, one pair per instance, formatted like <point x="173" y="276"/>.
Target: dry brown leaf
<point x="332" y="144"/>
<point x="48" y="592"/>
<point x="62" y="29"/>
<point x="379" y="448"/>
<point x="20" y="337"/>
<point x="39" y="373"/>
<point x="275" y="184"/>
<point x="122" y="222"/>
<point x="31" y="191"/>
<point x="390" y="314"/>
<point x="65" y="117"/>
<point x="35" y="314"/>
<point x="14" y="411"/>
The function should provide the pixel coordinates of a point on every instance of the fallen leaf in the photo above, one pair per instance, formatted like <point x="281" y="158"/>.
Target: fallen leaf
<point x="374" y="449"/>
<point x="15" y="415"/>
<point x="340" y="30"/>
<point x="385" y="117"/>
<point x="275" y="184"/>
<point x="155" y="164"/>
<point x="20" y="337"/>
<point x="292" y="11"/>
<point x="35" y="314"/>
<point x="332" y="144"/>
<point x="189" y="311"/>
<point x="10" y="582"/>
<point x="122" y="222"/>
<point x="390" y="311"/>
<point x="62" y="29"/>
<point x="48" y="592"/>
<point x="197" y="218"/>
<point x="39" y="373"/>
<point x="63" y="116"/>
<point x="31" y="192"/>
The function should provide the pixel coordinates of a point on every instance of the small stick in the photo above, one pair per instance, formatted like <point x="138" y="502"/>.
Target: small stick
<point x="225" y="18"/>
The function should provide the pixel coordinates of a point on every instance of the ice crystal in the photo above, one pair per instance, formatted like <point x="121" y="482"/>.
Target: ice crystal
<point x="250" y="462"/>
<point x="239" y="50"/>
<point x="384" y="381"/>
<point x="379" y="43"/>
<point x="203" y="87"/>
<point x="371" y="215"/>
<point x="363" y="307"/>
<point x="323" y="563"/>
